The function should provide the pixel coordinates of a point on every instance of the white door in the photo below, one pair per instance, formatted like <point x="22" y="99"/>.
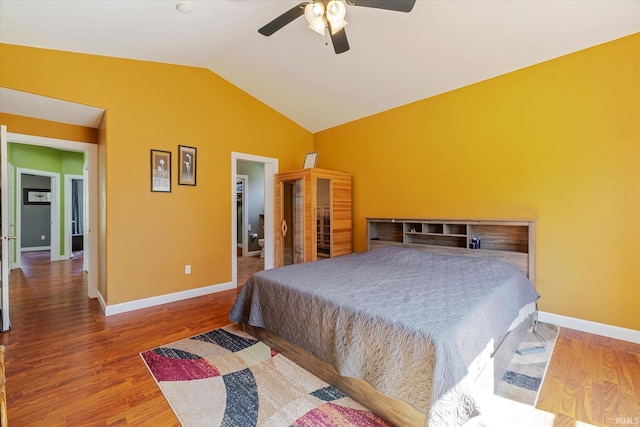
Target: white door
<point x="4" y="255"/>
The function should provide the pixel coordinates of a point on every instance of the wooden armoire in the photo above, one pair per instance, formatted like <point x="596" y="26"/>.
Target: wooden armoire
<point x="312" y="215"/>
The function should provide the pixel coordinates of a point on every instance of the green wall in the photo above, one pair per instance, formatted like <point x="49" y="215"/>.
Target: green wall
<point x="47" y="160"/>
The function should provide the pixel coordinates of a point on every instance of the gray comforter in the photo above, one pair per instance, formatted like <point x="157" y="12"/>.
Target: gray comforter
<point x="408" y="322"/>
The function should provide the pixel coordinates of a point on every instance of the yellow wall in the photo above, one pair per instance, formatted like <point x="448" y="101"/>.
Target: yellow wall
<point x="558" y="142"/>
<point x="149" y="237"/>
<point x="49" y="129"/>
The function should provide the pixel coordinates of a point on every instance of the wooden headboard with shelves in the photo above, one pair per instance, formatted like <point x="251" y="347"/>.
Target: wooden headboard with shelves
<point x="512" y="241"/>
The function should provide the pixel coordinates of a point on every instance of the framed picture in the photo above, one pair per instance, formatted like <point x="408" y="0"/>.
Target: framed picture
<point x="310" y="160"/>
<point x="36" y="196"/>
<point x="187" y="165"/>
<point x="161" y="171"/>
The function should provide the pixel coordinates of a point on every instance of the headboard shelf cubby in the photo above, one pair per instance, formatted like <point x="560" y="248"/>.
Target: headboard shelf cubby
<point x="512" y="241"/>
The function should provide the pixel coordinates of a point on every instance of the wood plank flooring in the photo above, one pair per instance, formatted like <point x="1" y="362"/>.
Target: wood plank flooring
<point x="68" y="365"/>
<point x="247" y="266"/>
<point x="592" y="379"/>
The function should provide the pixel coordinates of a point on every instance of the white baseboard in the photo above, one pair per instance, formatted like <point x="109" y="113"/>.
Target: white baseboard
<point x="161" y="299"/>
<point x="610" y="331"/>
<point x="36" y="249"/>
<point x="103" y="305"/>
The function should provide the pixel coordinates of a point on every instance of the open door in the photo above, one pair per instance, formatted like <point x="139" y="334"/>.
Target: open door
<point x="4" y="254"/>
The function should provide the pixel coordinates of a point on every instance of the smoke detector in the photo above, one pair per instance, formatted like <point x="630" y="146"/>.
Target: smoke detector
<point x="184" y="7"/>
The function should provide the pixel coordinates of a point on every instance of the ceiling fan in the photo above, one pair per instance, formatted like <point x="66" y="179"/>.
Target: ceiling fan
<point x="329" y="15"/>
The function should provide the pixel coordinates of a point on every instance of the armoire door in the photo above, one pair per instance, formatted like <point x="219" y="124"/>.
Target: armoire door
<point x="292" y="226"/>
<point x="323" y="218"/>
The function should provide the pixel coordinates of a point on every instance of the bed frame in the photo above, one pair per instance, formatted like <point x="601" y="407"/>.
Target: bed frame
<point x="393" y="410"/>
<point x="514" y="245"/>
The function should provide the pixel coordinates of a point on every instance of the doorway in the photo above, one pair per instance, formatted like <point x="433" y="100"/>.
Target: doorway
<point x="90" y="179"/>
<point x="242" y="212"/>
<point x="74" y="215"/>
<point x="258" y="202"/>
<point x="37" y="207"/>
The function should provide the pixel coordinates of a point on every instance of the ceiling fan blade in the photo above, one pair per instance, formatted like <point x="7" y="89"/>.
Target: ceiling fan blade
<point x="282" y="20"/>
<point x="397" y="5"/>
<point x="339" y="40"/>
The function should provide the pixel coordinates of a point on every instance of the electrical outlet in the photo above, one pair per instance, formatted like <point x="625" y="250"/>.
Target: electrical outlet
<point x="187" y="269"/>
<point x="43" y="237"/>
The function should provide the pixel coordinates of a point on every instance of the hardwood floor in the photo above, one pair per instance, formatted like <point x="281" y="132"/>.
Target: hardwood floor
<point x="68" y="365"/>
<point x="247" y="266"/>
<point x="592" y="379"/>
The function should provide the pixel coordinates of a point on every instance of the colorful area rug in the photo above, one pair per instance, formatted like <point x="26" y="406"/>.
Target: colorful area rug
<point x="525" y="374"/>
<point x="228" y="378"/>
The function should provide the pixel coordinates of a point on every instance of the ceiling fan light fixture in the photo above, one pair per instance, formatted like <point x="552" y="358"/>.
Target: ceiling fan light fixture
<point x="332" y="18"/>
<point x="335" y="8"/>
<point x="314" y="13"/>
<point x="336" y="12"/>
<point x="318" y="27"/>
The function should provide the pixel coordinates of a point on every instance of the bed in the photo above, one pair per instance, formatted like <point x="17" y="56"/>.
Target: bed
<point x="410" y="334"/>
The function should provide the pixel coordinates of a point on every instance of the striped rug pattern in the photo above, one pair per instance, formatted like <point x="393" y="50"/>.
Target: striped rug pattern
<point x="524" y="376"/>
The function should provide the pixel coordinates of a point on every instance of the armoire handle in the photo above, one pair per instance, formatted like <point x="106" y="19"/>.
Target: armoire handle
<point x="284" y="228"/>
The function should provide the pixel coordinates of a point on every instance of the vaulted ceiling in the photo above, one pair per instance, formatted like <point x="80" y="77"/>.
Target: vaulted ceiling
<point x="395" y="57"/>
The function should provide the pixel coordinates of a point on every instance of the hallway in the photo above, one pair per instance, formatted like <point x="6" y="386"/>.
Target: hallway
<point x="44" y="292"/>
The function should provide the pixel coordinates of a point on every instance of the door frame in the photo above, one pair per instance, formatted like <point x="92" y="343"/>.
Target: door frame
<point x="6" y="237"/>
<point x="92" y="204"/>
<point x="12" y="215"/>
<point x="54" y="216"/>
<point x="245" y="210"/>
<point x="68" y="186"/>
<point x="270" y="169"/>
